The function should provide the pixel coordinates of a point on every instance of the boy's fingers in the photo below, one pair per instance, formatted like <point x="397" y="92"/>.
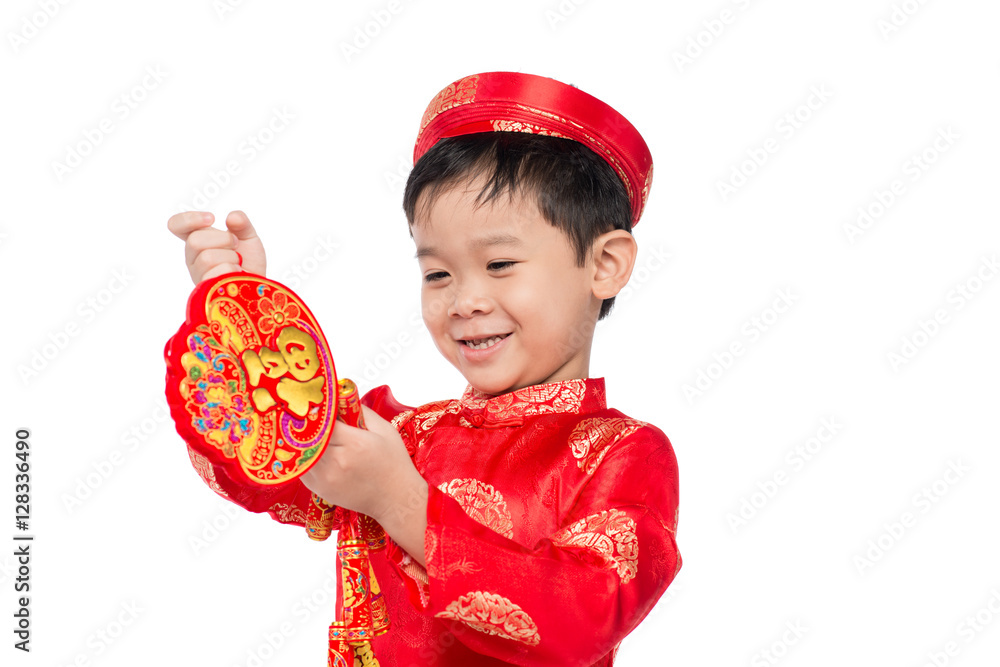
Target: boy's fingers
<point x="251" y="248"/>
<point x="239" y="224"/>
<point x="207" y="261"/>
<point x="228" y="267"/>
<point x="201" y="240"/>
<point x="182" y="224"/>
<point x="374" y="421"/>
<point x="342" y="434"/>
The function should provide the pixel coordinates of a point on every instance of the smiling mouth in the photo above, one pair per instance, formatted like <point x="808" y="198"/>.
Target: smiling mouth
<point x="483" y="343"/>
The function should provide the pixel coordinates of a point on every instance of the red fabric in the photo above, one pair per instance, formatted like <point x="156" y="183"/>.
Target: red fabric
<point x="516" y="102"/>
<point x="551" y="528"/>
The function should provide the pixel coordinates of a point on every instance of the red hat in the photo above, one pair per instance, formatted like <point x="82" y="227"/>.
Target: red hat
<point x="515" y="102"/>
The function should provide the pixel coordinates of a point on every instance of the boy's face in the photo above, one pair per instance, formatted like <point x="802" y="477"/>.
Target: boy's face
<point x="502" y="295"/>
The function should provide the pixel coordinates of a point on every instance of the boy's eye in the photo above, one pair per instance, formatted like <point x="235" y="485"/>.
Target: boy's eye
<point x="437" y="275"/>
<point x="500" y="265"/>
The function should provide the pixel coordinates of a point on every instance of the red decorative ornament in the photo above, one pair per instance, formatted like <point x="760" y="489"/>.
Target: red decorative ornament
<point x="252" y="388"/>
<point x="250" y="380"/>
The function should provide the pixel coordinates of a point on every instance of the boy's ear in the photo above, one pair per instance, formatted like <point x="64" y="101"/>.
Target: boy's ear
<point x="614" y="255"/>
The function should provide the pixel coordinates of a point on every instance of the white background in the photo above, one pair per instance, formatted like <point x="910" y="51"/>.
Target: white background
<point x="117" y="510"/>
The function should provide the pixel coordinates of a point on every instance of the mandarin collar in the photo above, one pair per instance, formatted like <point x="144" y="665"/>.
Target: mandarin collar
<point x="577" y="396"/>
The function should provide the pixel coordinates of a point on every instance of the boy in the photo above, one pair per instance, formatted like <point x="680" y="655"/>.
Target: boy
<point x="527" y="523"/>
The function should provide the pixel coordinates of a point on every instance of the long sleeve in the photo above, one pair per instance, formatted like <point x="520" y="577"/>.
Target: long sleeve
<point x="285" y="503"/>
<point x="571" y="597"/>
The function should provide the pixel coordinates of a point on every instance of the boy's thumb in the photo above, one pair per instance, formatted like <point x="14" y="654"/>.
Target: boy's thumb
<point x="239" y="224"/>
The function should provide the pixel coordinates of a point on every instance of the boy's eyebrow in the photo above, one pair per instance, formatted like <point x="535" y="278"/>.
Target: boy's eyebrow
<point x="477" y="244"/>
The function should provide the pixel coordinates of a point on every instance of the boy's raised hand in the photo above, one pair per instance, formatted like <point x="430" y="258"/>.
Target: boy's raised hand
<point x="210" y="252"/>
<point x="369" y="471"/>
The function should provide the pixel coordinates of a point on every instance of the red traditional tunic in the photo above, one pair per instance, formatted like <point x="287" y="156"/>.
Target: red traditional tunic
<point x="550" y="527"/>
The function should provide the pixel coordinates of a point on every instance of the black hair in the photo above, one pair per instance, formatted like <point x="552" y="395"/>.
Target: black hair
<point x="575" y="190"/>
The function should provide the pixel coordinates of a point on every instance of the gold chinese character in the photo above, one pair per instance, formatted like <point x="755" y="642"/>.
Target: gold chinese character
<point x="296" y="356"/>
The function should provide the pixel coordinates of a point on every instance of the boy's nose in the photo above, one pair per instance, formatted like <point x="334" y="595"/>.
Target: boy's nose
<point x="468" y="301"/>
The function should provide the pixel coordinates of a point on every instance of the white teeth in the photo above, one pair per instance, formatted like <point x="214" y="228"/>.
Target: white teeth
<point x="483" y="343"/>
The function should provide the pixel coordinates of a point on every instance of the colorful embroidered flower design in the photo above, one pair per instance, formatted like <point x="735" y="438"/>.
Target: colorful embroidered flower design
<point x="277" y="311"/>
<point x="218" y="409"/>
<point x="224" y="414"/>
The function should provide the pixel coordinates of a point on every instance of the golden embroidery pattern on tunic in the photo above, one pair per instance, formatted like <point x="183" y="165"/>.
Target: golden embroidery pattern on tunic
<point x="204" y="468"/>
<point x="288" y="513"/>
<point x="591" y="438"/>
<point x="566" y="396"/>
<point x="549" y="398"/>
<point x="611" y="535"/>
<point x="482" y="502"/>
<point x="433" y="557"/>
<point x="462" y="566"/>
<point x="415" y="570"/>
<point x="429" y="415"/>
<point x="494" y="615"/>
<point x="401" y="418"/>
